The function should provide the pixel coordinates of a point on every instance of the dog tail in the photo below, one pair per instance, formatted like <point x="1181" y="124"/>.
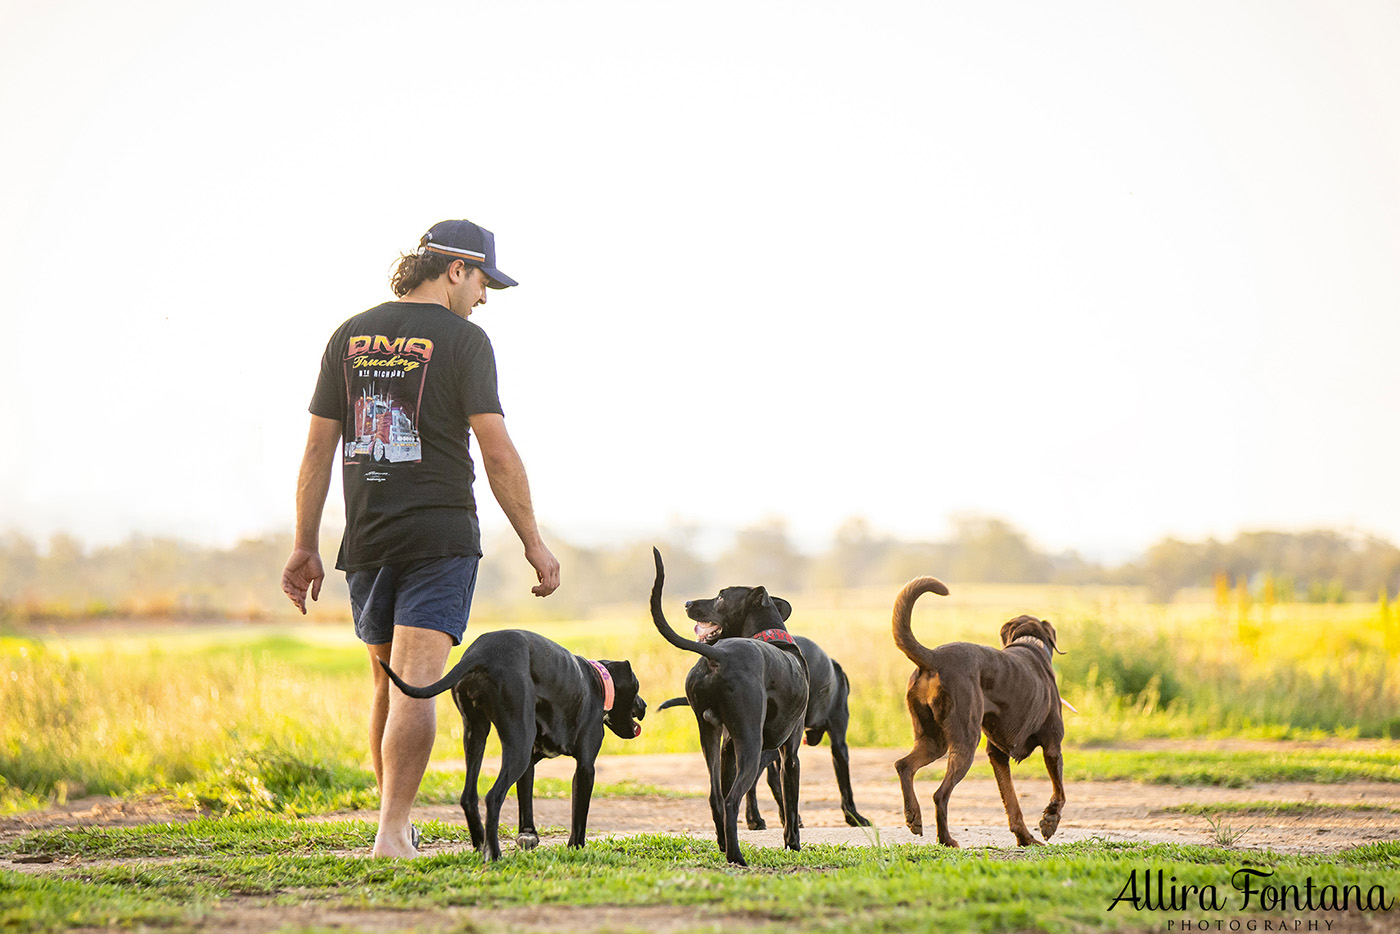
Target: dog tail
<point x="685" y="702"/>
<point x="663" y="627"/>
<point x="458" y="671"/>
<point x="904" y="609"/>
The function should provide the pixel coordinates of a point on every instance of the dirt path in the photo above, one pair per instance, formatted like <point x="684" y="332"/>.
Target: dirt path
<point x="1343" y="815"/>
<point x="1118" y="811"/>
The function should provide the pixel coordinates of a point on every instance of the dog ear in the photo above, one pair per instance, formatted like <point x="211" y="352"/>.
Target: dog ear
<point x="1006" y="629"/>
<point x="758" y="595"/>
<point x="784" y="608"/>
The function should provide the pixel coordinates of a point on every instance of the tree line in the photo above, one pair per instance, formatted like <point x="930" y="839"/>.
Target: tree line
<point x="154" y="577"/>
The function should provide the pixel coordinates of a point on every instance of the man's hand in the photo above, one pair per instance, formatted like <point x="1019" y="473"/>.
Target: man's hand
<point x="546" y="569"/>
<point x="304" y="572"/>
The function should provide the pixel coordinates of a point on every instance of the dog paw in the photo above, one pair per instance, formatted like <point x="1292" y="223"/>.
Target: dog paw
<point x="855" y="820"/>
<point x="916" y="828"/>
<point x="527" y="841"/>
<point x="1028" y="841"/>
<point x="1049" y="823"/>
<point x="759" y="824"/>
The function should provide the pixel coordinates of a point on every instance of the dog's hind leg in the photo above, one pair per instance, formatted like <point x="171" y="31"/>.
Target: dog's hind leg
<point x="792" y="776"/>
<point x="744" y="751"/>
<point x="516" y="727"/>
<point x="841" y="764"/>
<point x="1055" y="765"/>
<point x="1001" y="767"/>
<point x="751" y="815"/>
<point x="926" y="749"/>
<point x="528" y="837"/>
<point x="711" y="739"/>
<point x="960" y="758"/>
<point x="475" y="728"/>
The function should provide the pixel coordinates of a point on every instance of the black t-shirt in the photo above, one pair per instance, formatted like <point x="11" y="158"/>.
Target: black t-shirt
<point x="402" y="379"/>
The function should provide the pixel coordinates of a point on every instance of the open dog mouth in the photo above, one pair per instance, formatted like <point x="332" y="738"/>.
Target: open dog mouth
<point x="707" y="633"/>
<point x="632" y="728"/>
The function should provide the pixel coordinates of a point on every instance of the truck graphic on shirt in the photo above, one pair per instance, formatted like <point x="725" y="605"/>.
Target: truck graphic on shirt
<point x="383" y="430"/>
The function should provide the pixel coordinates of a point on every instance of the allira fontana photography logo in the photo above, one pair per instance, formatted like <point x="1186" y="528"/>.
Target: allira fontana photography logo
<point x="1279" y="905"/>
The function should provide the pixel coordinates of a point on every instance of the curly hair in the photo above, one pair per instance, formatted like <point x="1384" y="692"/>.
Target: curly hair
<point x="414" y="269"/>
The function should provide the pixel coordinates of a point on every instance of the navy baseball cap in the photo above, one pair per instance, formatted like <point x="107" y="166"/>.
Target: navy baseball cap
<point x="476" y="246"/>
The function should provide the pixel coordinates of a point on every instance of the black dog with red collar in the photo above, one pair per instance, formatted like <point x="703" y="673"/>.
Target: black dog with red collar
<point x="544" y="701"/>
<point x="749" y="694"/>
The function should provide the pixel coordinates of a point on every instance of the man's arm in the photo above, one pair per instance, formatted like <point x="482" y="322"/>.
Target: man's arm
<point x="304" y="570"/>
<point x="506" y="473"/>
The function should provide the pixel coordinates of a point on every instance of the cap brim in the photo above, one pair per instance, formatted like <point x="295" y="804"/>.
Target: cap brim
<point x="497" y="279"/>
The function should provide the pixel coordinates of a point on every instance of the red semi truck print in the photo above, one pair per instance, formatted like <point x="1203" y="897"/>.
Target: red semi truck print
<point x="383" y="430"/>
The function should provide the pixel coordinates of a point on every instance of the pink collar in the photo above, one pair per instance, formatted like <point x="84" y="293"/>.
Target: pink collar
<point x="608" y="692"/>
<point x="775" y="635"/>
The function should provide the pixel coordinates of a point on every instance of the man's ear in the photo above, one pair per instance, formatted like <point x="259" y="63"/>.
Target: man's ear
<point x="784" y="608"/>
<point x="457" y="271"/>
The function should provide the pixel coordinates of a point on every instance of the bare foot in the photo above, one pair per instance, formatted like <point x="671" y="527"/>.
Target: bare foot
<point x="394" y="846"/>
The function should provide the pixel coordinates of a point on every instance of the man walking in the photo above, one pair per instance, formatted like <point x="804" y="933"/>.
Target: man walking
<point x="400" y="386"/>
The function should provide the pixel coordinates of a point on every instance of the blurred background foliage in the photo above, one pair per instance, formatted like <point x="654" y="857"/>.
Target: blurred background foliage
<point x="161" y="578"/>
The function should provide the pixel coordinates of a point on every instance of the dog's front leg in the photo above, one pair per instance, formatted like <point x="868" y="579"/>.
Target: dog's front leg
<point x="1055" y="765"/>
<point x="583" y="794"/>
<point x="1001" y="767"/>
<point x="775" y="786"/>
<point x="528" y="838"/>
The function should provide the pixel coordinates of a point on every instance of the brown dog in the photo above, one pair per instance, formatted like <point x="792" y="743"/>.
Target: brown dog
<point x="962" y="688"/>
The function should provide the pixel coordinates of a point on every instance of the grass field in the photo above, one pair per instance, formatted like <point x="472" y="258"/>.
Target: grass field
<point x="251" y="718"/>
<point x="232" y="872"/>
<point x="259" y="726"/>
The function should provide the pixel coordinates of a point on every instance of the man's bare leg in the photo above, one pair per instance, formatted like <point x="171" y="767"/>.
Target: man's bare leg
<point x="378" y="710"/>
<point x="418" y="656"/>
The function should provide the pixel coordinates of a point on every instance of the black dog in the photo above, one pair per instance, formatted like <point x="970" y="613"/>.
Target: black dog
<point x="545" y="702"/>
<point x="828" y="711"/>
<point x="749" y="694"/>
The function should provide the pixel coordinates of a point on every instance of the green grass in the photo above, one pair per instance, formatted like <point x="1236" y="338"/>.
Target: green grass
<point x="1268" y="808"/>
<point x="1234" y="769"/>
<point x="826" y="888"/>
<point x="241" y="718"/>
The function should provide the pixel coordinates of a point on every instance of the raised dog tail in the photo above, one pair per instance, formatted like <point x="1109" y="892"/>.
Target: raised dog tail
<point x="663" y="627"/>
<point x="685" y="702"/>
<point x="434" y="689"/>
<point x="918" y="653"/>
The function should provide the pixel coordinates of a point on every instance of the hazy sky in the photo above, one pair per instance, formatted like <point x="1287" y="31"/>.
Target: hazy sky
<point x="1109" y="271"/>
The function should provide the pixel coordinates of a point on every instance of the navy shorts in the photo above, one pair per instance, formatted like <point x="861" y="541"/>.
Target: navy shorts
<point x="431" y="593"/>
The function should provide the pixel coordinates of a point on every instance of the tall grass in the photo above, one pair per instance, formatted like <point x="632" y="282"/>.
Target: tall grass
<point x="237" y="717"/>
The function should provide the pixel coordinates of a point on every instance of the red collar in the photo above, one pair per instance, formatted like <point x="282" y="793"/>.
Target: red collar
<point x="608" y="692"/>
<point x="775" y="635"/>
